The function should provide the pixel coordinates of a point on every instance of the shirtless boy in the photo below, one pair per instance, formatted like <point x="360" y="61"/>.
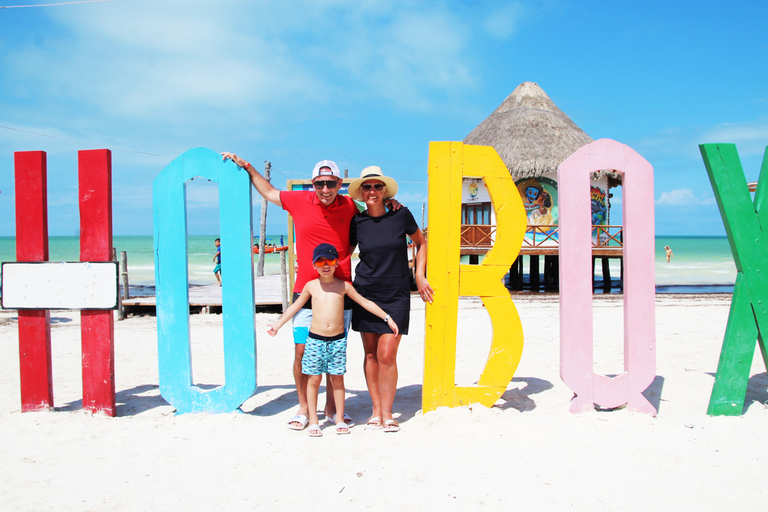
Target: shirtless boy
<point x="326" y="348"/>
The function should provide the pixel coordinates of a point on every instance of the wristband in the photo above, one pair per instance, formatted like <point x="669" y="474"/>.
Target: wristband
<point x="386" y="318"/>
<point x="246" y="166"/>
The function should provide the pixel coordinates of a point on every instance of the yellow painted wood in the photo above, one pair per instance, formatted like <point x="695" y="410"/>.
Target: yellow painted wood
<point x="482" y="280"/>
<point x="449" y="163"/>
<point x="506" y="345"/>
<point x="443" y="274"/>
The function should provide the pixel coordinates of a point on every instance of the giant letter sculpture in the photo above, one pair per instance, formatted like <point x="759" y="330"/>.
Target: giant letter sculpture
<point x="576" y="355"/>
<point x="97" y="322"/>
<point x="743" y="221"/>
<point x="449" y="162"/>
<point x="170" y="230"/>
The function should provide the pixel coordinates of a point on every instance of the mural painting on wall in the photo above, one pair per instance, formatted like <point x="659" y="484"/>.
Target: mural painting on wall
<point x="539" y="197"/>
<point x="599" y="201"/>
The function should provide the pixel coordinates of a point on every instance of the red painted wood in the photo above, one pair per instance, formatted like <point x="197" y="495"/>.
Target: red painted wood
<point x="95" y="193"/>
<point x="97" y="327"/>
<point x="36" y="377"/>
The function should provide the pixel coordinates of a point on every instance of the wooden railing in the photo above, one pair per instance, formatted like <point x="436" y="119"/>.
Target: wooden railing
<point x="482" y="236"/>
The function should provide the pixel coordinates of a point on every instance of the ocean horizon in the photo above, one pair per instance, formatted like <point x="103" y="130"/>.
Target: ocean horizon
<point x="700" y="264"/>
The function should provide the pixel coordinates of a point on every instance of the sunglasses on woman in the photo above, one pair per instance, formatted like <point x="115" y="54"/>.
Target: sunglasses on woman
<point x="319" y="185"/>
<point x="376" y="186"/>
<point x="325" y="263"/>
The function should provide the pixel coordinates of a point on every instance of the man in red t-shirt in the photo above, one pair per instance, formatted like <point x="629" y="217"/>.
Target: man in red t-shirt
<point x="319" y="216"/>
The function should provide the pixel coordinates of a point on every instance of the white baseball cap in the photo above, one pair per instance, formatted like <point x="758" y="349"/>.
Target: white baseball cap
<point x="326" y="168"/>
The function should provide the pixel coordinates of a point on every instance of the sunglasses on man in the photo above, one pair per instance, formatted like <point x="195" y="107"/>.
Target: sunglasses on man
<point x="320" y="184"/>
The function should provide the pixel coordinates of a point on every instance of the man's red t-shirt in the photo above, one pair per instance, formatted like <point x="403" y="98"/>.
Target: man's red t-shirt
<point x="315" y="224"/>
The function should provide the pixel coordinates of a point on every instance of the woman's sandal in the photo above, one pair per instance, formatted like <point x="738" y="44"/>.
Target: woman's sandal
<point x="391" y="426"/>
<point x="374" y="423"/>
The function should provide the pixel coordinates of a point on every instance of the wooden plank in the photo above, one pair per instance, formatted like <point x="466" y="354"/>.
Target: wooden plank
<point x="97" y="328"/>
<point x="36" y="376"/>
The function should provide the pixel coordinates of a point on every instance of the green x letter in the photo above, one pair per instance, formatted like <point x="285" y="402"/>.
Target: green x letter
<point x="743" y="219"/>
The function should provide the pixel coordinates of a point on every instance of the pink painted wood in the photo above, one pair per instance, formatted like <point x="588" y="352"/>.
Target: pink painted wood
<point x="576" y="341"/>
<point x="97" y="327"/>
<point x="36" y="377"/>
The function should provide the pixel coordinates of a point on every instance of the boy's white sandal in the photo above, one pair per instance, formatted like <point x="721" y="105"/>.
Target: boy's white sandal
<point x="301" y="420"/>
<point x="314" y="431"/>
<point x="347" y="419"/>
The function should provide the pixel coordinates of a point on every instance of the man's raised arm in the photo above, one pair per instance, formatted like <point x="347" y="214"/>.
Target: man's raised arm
<point x="261" y="184"/>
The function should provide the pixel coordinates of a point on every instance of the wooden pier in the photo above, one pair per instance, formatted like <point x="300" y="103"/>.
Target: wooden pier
<point x="477" y="240"/>
<point x="207" y="299"/>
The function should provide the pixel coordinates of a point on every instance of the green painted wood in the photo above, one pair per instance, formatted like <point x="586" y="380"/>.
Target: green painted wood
<point x="742" y="218"/>
<point x="732" y="377"/>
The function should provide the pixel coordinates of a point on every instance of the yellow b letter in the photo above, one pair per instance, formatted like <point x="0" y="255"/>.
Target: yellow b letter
<point x="449" y="163"/>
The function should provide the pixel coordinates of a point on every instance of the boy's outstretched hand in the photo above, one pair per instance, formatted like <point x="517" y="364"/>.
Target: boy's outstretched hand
<point x="392" y="325"/>
<point x="271" y="330"/>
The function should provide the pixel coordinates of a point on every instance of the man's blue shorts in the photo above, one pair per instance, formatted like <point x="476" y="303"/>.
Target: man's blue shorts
<point x="303" y="319"/>
<point x="325" y="354"/>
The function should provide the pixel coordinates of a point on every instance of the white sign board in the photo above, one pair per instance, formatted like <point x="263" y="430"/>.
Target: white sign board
<point x="64" y="285"/>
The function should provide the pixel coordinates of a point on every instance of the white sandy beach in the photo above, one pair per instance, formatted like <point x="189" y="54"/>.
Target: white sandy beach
<point x="526" y="453"/>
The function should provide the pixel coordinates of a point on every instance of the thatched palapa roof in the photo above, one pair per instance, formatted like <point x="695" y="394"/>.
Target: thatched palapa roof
<point x="531" y="135"/>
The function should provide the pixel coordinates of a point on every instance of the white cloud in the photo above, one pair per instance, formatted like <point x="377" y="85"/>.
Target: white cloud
<point x="180" y="60"/>
<point x="751" y="138"/>
<point x="502" y="22"/>
<point x="683" y="197"/>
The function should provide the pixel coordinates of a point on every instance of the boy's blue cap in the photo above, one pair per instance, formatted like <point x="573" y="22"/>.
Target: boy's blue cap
<point x="324" y="251"/>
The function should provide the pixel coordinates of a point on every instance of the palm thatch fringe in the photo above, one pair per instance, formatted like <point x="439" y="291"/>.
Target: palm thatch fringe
<point x="531" y="135"/>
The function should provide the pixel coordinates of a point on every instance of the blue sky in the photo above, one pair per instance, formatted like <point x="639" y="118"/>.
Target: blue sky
<point x="368" y="83"/>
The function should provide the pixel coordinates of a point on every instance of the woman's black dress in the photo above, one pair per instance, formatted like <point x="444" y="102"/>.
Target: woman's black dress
<point x="382" y="275"/>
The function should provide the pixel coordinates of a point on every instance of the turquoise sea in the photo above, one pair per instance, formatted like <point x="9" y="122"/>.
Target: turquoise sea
<point x="141" y="262"/>
<point x="699" y="264"/>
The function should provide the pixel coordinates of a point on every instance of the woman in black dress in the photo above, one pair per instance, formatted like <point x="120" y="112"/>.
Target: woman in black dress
<point x="382" y="275"/>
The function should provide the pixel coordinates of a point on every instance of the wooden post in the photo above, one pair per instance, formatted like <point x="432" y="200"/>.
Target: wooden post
<point x="124" y="274"/>
<point x="120" y="311"/>
<point x="263" y="225"/>
<point x="606" y="274"/>
<point x="283" y="281"/>
<point x="97" y="328"/>
<point x="533" y="271"/>
<point x="36" y="377"/>
<point x="550" y="272"/>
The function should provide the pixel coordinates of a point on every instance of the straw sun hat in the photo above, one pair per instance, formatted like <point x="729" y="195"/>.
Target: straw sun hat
<point x="372" y="172"/>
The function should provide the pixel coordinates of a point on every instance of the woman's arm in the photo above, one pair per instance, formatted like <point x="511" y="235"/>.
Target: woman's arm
<point x="425" y="290"/>
<point x="292" y="310"/>
<point x="370" y="306"/>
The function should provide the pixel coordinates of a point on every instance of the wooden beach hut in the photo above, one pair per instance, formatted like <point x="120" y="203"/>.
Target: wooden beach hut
<point x="533" y="137"/>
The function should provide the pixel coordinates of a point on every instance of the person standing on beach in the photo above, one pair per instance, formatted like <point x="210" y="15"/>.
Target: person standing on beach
<point x="217" y="260"/>
<point x="326" y="346"/>
<point x="383" y="277"/>
<point x="319" y="216"/>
